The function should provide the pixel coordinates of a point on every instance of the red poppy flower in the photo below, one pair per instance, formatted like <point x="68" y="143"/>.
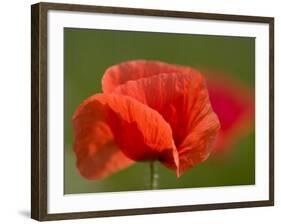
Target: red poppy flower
<point x="234" y="104"/>
<point x="149" y="111"/>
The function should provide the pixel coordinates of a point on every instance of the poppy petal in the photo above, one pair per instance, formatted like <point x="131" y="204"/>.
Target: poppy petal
<point x="96" y="151"/>
<point x="139" y="131"/>
<point x="132" y="70"/>
<point x="198" y="145"/>
<point x="234" y="104"/>
<point x="183" y="101"/>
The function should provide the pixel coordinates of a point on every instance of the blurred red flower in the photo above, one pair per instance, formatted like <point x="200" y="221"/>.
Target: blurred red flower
<point x="148" y="110"/>
<point x="235" y="106"/>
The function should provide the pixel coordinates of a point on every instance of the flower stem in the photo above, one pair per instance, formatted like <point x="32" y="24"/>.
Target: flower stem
<point x="153" y="176"/>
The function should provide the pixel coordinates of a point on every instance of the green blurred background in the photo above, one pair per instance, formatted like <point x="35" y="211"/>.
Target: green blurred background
<point x="88" y="52"/>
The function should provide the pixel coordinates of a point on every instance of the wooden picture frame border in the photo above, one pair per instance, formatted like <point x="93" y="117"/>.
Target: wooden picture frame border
<point x="39" y="110"/>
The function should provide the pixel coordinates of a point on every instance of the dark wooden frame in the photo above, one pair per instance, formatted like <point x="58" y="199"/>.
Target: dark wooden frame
<point x="39" y="110"/>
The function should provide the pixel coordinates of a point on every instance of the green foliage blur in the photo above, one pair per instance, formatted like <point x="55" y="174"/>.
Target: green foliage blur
<point x="88" y="52"/>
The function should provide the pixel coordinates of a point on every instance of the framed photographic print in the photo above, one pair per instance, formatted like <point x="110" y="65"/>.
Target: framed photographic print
<point x="138" y="111"/>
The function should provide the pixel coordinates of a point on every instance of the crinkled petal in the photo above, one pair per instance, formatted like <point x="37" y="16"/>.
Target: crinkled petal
<point x="198" y="144"/>
<point x="132" y="70"/>
<point x="183" y="101"/>
<point x="131" y="128"/>
<point x="96" y="151"/>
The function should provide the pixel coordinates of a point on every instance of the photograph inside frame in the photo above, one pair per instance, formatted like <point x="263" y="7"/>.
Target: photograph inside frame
<point x="152" y="111"/>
